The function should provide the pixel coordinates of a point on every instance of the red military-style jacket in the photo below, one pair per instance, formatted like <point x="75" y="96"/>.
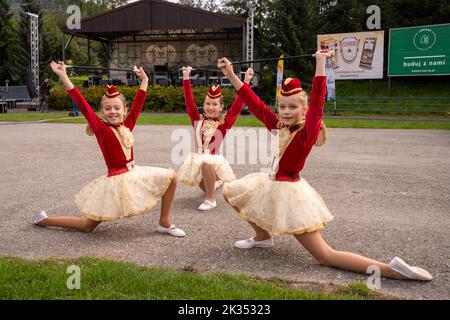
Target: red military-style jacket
<point x="110" y="146"/>
<point x="293" y="159"/>
<point x="225" y="123"/>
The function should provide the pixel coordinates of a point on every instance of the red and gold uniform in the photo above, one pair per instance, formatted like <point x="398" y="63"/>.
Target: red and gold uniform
<point x="282" y="202"/>
<point x="208" y="136"/>
<point x="127" y="189"/>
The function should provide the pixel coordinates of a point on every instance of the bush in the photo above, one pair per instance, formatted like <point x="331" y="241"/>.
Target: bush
<point x="59" y="99"/>
<point x="159" y="98"/>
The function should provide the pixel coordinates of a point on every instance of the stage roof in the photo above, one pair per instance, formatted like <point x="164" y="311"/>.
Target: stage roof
<point x="152" y="16"/>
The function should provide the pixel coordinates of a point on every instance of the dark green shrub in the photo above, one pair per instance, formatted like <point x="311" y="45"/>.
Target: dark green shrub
<point x="159" y="98"/>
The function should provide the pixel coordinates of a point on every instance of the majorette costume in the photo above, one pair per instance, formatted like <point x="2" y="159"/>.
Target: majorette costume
<point x="281" y="202"/>
<point x="126" y="190"/>
<point x="208" y="136"/>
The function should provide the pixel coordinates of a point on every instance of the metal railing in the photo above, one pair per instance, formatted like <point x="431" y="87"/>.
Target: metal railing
<point x="438" y="105"/>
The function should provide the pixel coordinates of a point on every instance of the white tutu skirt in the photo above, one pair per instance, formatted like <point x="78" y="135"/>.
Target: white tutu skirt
<point x="123" y="195"/>
<point x="190" y="173"/>
<point x="279" y="207"/>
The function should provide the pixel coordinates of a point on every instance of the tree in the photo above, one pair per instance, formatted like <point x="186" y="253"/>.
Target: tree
<point x="92" y="7"/>
<point x="190" y="3"/>
<point x="50" y="43"/>
<point x="77" y="50"/>
<point x="290" y="27"/>
<point x="286" y="27"/>
<point x="209" y="5"/>
<point x="8" y="43"/>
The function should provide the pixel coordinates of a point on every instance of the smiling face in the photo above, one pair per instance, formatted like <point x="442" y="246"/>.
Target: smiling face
<point x="292" y="109"/>
<point x="212" y="107"/>
<point x="113" y="109"/>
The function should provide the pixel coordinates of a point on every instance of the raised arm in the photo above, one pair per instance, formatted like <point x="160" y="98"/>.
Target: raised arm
<point x="254" y="103"/>
<point x="191" y="107"/>
<point x="139" y="99"/>
<point x="93" y="120"/>
<point x="238" y="103"/>
<point x="317" y="99"/>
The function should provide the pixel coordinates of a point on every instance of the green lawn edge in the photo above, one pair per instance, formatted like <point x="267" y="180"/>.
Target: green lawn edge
<point x="181" y="119"/>
<point x="107" y="279"/>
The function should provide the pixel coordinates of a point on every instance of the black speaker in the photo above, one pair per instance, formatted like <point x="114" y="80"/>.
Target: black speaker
<point x="31" y="90"/>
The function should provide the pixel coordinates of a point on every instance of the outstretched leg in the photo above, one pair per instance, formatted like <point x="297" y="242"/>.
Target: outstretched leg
<point x="77" y="223"/>
<point x="322" y="252"/>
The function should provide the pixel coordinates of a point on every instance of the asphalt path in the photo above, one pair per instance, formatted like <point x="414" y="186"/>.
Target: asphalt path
<point x="387" y="189"/>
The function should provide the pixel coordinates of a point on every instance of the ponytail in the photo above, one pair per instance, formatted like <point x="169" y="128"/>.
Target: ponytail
<point x="322" y="138"/>
<point x="89" y="131"/>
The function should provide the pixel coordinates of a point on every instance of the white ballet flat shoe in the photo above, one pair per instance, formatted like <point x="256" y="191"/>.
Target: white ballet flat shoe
<point x="39" y="217"/>
<point x="252" y="243"/>
<point x="207" y="205"/>
<point x="413" y="273"/>
<point x="172" y="230"/>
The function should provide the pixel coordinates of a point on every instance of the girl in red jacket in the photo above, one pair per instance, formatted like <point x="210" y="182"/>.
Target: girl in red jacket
<point x="205" y="167"/>
<point x="284" y="203"/>
<point x="127" y="189"/>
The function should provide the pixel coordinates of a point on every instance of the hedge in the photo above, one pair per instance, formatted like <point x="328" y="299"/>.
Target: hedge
<point x="159" y="98"/>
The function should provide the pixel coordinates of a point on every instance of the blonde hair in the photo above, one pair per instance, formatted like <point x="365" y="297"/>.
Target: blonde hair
<point x="122" y="98"/>
<point x="303" y="97"/>
<point x="322" y="137"/>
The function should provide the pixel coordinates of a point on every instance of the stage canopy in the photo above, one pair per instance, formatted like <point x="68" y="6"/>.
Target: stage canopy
<point x="155" y="33"/>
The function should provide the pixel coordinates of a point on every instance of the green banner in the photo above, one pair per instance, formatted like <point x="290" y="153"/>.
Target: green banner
<point x="419" y="51"/>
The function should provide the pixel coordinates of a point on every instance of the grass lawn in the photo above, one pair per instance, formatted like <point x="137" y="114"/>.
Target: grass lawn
<point x="415" y="115"/>
<point x="244" y="121"/>
<point x="105" y="279"/>
<point x="31" y="116"/>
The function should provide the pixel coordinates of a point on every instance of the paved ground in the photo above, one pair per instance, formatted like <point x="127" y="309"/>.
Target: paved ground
<point x="388" y="190"/>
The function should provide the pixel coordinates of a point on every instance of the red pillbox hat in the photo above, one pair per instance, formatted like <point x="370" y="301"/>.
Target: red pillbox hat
<point x="291" y="86"/>
<point x="214" y="92"/>
<point x="111" y="91"/>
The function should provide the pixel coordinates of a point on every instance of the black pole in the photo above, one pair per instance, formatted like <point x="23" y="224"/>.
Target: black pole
<point x="63" y="47"/>
<point x="309" y="55"/>
<point x="99" y="68"/>
<point x="389" y="87"/>
<point x="89" y="51"/>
